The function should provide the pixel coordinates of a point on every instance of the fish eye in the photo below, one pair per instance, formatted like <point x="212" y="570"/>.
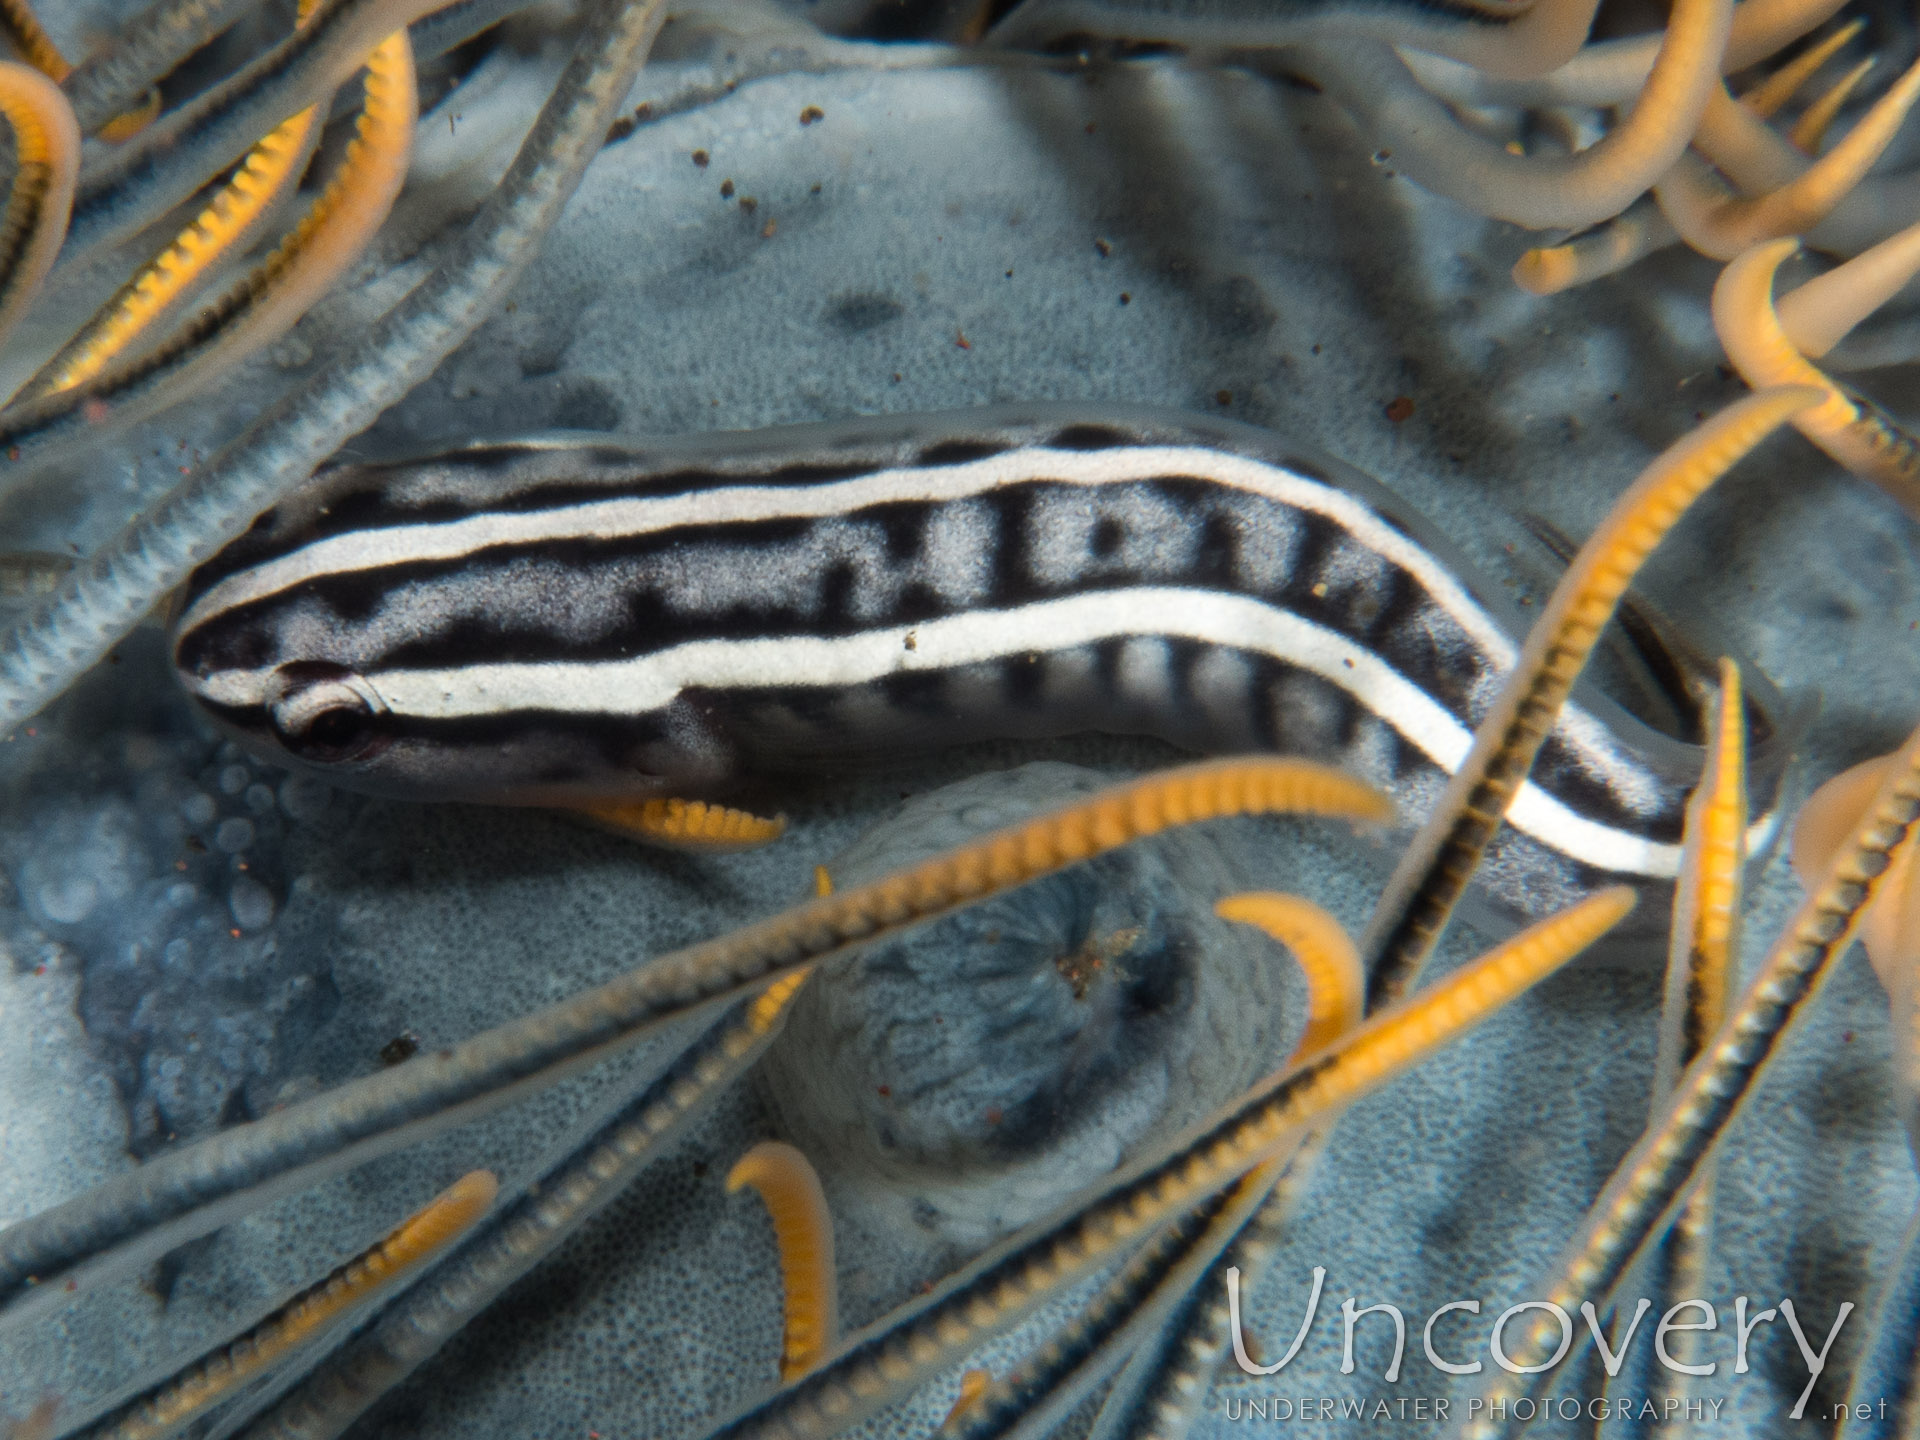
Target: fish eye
<point x="328" y="718"/>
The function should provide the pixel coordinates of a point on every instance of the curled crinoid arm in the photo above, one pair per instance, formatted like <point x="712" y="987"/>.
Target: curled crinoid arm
<point x="1011" y="1281"/>
<point x="688" y="824"/>
<point x="1856" y="434"/>
<point x="182" y="1193"/>
<point x="1134" y="1308"/>
<point x="77" y="396"/>
<point x="1720" y="225"/>
<point x="1429" y="881"/>
<point x="1811" y="128"/>
<point x="572" y="1189"/>
<point x="1432" y="148"/>
<point x="229" y="223"/>
<point x="46" y="149"/>
<point x="789" y="1187"/>
<point x="223" y="1374"/>
<point x="1646" y="1186"/>
<point x="1336" y="985"/>
<point x="1766" y="98"/>
<point x="1607" y="249"/>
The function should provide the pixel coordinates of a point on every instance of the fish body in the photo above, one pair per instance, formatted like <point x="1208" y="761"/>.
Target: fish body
<point x="573" y="619"/>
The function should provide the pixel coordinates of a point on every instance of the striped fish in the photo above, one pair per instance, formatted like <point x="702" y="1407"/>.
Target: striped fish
<point x="564" y="620"/>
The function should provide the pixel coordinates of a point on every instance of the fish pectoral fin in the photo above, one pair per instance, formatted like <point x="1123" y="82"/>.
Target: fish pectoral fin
<point x="686" y="824"/>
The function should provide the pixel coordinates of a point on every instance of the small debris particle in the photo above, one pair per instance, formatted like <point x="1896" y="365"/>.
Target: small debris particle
<point x="1105" y="247"/>
<point x="766" y="230"/>
<point x="1846" y="1037"/>
<point x="883" y="1090"/>
<point x="960" y="339"/>
<point x="1223" y="397"/>
<point x="749" y="204"/>
<point x="1126" y="298"/>
<point x="1316" y="350"/>
<point x="994" y="1116"/>
<point x="643" y="112"/>
<point x="1009" y="274"/>
<point x="1320" y="590"/>
<point x="619" y="130"/>
<point x="912" y="642"/>
<point x="1380" y="157"/>
<point x="700" y="158"/>
<point x="726" y="189"/>
<point x="896" y="377"/>
<point x="816" y="188"/>
<point x="1399" y="408"/>
<point x="403" y="1046"/>
<point x="811" y="114"/>
<point x="1089" y="127"/>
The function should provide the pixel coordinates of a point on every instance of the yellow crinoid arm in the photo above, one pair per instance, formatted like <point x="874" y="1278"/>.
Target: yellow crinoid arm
<point x="1700" y="959"/>
<point x="687" y="824"/>
<point x="1766" y="98"/>
<point x="1749" y="330"/>
<point x="1722" y="226"/>
<point x="424" y="1236"/>
<point x="803" y="1228"/>
<point x="1859" y="436"/>
<point x="1812" y="126"/>
<point x="46" y="145"/>
<point x="1819" y="314"/>
<point x="1336" y="985"/>
<point x="1429" y="881"/>
<point x="1607" y="249"/>
<point x="1706" y="909"/>
<point x="287" y="283"/>
<point x="164" y="284"/>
